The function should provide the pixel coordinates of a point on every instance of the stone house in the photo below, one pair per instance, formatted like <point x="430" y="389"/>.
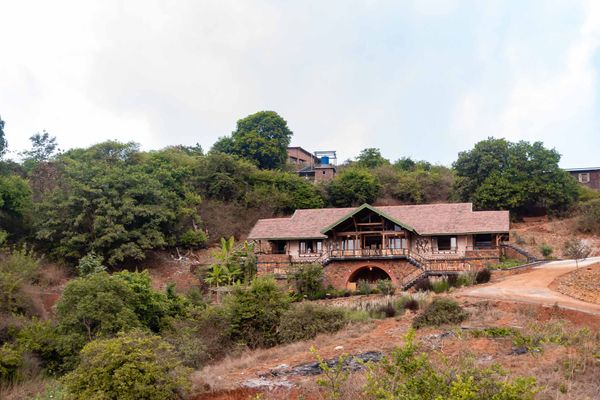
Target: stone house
<point x="589" y="177"/>
<point x="401" y="243"/>
<point x="317" y="167"/>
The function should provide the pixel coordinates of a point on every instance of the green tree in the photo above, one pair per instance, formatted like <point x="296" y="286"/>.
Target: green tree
<point x="521" y="177"/>
<point x="17" y="268"/>
<point x="352" y="187"/>
<point x="43" y="147"/>
<point x="255" y="312"/>
<point x="89" y="264"/>
<point x="15" y="205"/>
<point x="262" y="138"/>
<point x="132" y="366"/>
<point x="118" y="202"/>
<point x="3" y="142"/>
<point x="371" y="158"/>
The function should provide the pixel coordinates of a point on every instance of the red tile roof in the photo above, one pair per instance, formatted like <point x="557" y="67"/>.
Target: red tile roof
<point x="427" y="219"/>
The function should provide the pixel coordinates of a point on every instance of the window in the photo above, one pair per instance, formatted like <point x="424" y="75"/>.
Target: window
<point x="348" y="244"/>
<point x="396" y="243"/>
<point x="584" y="177"/>
<point x="319" y="246"/>
<point x="306" y="246"/>
<point x="483" y="241"/>
<point x="446" y="243"/>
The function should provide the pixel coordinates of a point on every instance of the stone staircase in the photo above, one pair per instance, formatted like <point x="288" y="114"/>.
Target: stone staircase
<point x="530" y="257"/>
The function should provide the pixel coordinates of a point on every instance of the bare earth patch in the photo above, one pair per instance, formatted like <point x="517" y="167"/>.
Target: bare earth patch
<point x="582" y="284"/>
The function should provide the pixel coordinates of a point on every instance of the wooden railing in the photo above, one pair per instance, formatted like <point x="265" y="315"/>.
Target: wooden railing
<point x="368" y="253"/>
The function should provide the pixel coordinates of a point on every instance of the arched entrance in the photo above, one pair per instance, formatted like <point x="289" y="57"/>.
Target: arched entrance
<point x="368" y="273"/>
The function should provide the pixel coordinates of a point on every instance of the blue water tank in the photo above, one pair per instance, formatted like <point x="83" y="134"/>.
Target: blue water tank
<point x="325" y="160"/>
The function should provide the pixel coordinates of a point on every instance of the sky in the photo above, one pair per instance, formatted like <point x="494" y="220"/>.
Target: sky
<point x="421" y="79"/>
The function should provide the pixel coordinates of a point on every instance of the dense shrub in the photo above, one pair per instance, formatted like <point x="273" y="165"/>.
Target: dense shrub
<point x="17" y="269"/>
<point x="385" y="286"/>
<point x="11" y="360"/>
<point x="409" y="374"/>
<point x="441" y="311"/>
<point x="423" y="285"/>
<point x="440" y="285"/>
<point x="588" y="220"/>
<point x="308" y="281"/>
<point x="364" y="287"/>
<point x="546" y="250"/>
<point x="352" y="187"/>
<point x="89" y="264"/>
<point x="56" y="352"/>
<point x="304" y="321"/>
<point x="255" y="312"/>
<point x="129" y="367"/>
<point x="202" y="337"/>
<point x="483" y="276"/>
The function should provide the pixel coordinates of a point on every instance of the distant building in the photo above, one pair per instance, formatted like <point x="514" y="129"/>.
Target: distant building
<point x="319" y="166"/>
<point x="589" y="177"/>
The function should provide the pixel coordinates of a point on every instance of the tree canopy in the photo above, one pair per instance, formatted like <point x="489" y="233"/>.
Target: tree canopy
<point x="261" y="138"/>
<point x="522" y="177"/>
<point x="371" y="158"/>
<point x="352" y="187"/>
<point x="3" y="142"/>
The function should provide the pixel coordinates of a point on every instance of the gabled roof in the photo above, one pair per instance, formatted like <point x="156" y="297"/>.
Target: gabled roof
<point x="366" y="207"/>
<point x="426" y="219"/>
<point x="582" y="169"/>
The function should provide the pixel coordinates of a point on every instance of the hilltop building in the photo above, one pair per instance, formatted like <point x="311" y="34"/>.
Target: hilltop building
<point x="589" y="177"/>
<point x="319" y="166"/>
<point x="401" y="243"/>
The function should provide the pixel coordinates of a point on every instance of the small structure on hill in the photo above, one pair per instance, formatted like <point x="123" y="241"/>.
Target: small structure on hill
<point x="401" y="243"/>
<point x="589" y="177"/>
<point x="319" y="166"/>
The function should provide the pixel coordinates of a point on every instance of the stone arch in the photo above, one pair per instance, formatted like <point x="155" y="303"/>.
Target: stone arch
<point x="369" y="273"/>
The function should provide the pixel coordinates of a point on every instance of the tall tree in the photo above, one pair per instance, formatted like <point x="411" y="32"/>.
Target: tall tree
<point x="371" y="158"/>
<point x="43" y="147"/>
<point x="262" y="138"/>
<point x="3" y="142"/>
<point x="352" y="187"/>
<point x="522" y="177"/>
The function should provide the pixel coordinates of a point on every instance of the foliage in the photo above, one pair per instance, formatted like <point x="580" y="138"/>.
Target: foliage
<point x="16" y="269"/>
<point x="51" y="347"/>
<point x="588" y="220"/>
<point x="255" y="312"/>
<point x="353" y="187"/>
<point x="521" y="177"/>
<point x="385" y="286"/>
<point x="201" y="337"/>
<point x="11" y="360"/>
<point x="334" y="377"/>
<point x="262" y="138"/>
<point x="408" y="374"/>
<point x="3" y="142"/>
<point x="304" y="321"/>
<point x="308" y="281"/>
<point x="507" y="263"/>
<point x="364" y="287"/>
<point x="407" y="303"/>
<point x="118" y="202"/>
<point x="43" y="147"/>
<point x="576" y="249"/>
<point x="15" y="204"/>
<point x="226" y="269"/>
<point x="371" y="158"/>
<point x="439" y="312"/>
<point x="546" y="250"/>
<point x="440" y="285"/>
<point x="131" y="366"/>
<point x="89" y="264"/>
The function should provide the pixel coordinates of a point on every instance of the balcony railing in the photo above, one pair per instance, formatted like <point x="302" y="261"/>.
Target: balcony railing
<point x="368" y="253"/>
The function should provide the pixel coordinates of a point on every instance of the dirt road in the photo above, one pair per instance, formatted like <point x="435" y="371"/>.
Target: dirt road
<point x="534" y="287"/>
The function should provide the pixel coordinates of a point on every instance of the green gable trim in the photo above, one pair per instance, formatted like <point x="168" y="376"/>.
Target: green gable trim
<point x="373" y="209"/>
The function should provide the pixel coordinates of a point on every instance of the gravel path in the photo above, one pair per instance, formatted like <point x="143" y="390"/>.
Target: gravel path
<point x="534" y="287"/>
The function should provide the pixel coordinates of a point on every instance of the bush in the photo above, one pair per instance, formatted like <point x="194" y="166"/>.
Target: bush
<point x="441" y="311"/>
<point x="304" y="321"/>
<point x="90" y="264"/>
<point x="18" y="268"/>
<point x="440" y="285"/>
<point x="423" y="285"/>
<point x="364" y="287"/>
<point x="308" y="281"/>
<point x="386" y="310"/>
<point x="589" y="217"/>
<point x="129" y="367"/>
<point x="11" y="361"/>
<point x="483" y="276"/>
<point x="255" y="312"/>
<point x="202" y="337"/>
<point x="56" y="352"/>
<point x="194" y="238"/>
<point x="385" y="286"/>
<point x="407" y="303"/>
<point x="408" y="374"/>
<point x="546" y="250"/>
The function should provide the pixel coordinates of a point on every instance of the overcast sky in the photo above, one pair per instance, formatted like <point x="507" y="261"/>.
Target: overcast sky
<point x="424" y="79"/>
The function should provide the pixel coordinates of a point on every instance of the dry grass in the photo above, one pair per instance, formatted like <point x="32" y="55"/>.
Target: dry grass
<point x="27" y="389"/>
<point x="52" y="275"/>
